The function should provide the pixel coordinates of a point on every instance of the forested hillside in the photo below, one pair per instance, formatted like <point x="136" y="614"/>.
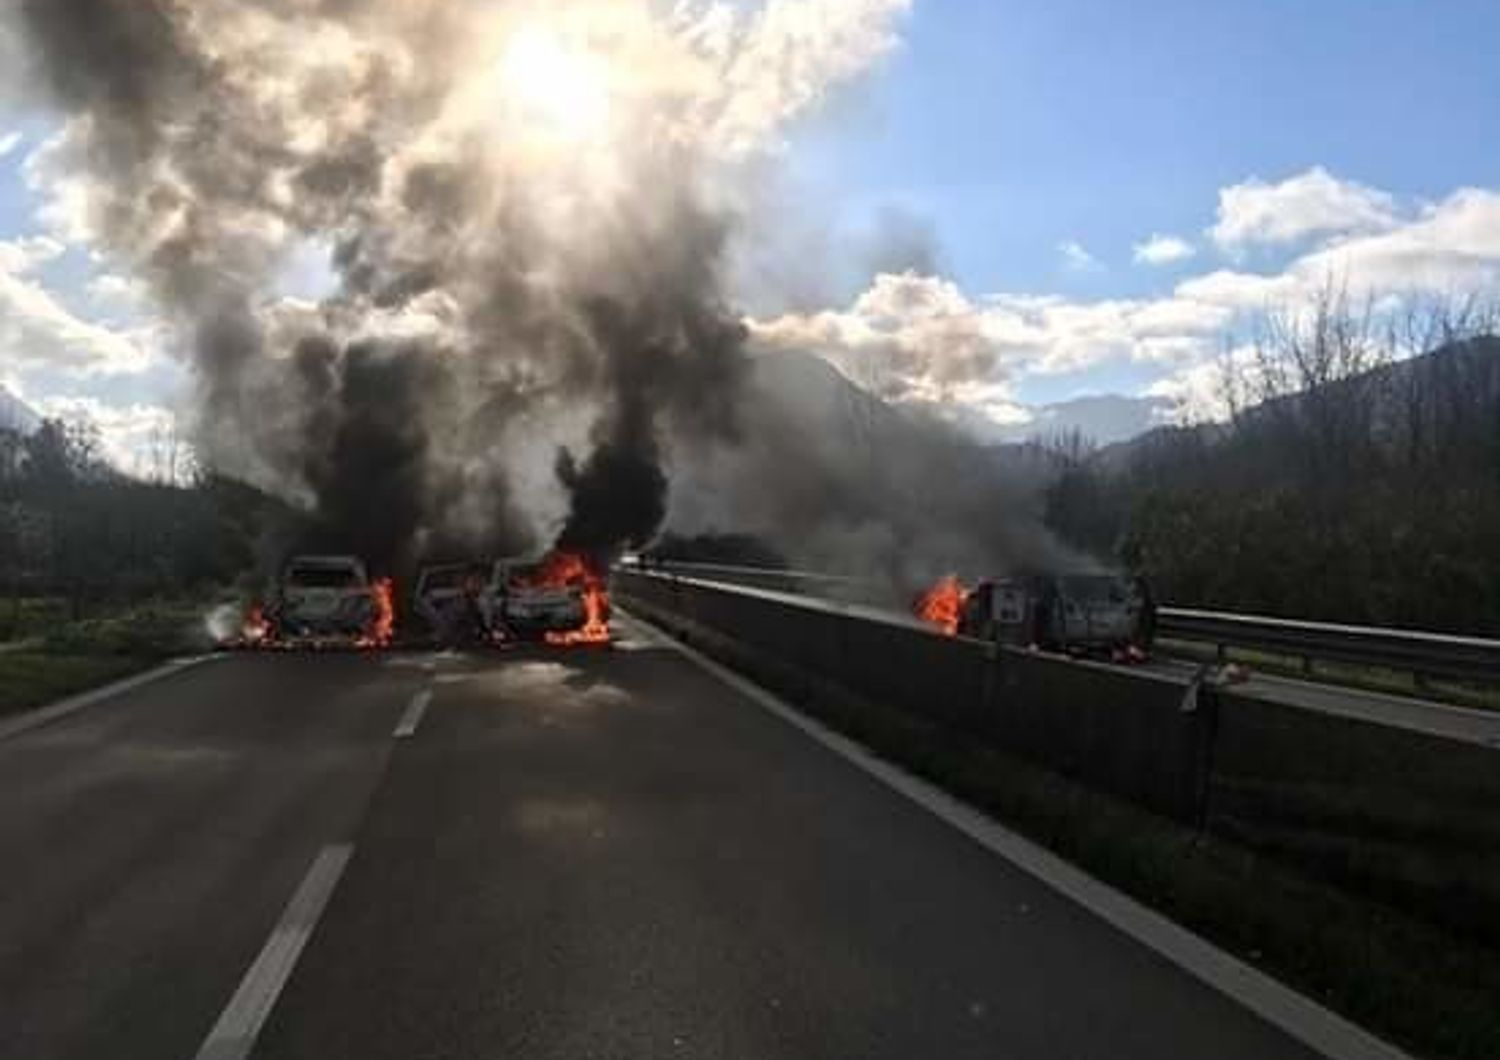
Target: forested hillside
<point x="72" y="527"/>
<point x="1348" y="484"/>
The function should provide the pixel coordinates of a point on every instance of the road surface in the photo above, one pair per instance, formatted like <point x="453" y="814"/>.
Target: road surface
<point x="565" y="855"/>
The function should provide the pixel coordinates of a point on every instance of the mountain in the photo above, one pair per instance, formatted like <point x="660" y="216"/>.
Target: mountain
<point x="1427" y="400"/>
<point x="1370" y="499"/>
<point x="16" y="415"/>
<point x="818" y="389"/>
<point x="835" y="479"/>
<point x="1103" y="418"/>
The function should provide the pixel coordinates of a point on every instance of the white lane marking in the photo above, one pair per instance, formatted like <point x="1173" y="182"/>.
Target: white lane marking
<point x="407" y="726"/>
<point x="35" y="719"/>
<point x="1302" y="1018"/>
<point x="234" y="1035"/>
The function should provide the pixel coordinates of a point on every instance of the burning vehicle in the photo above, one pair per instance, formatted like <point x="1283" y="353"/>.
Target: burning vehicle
<point x="560" y="598"/>
<point x="1080" y="614"/>
<point x="322" y="599"/>
<point x="448" y="600"/>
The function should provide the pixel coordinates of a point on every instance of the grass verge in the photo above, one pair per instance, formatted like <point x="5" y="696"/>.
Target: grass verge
<point x="58" y="658"/>
<point x="35" y="678"/>
<point x="1415" y="984"/>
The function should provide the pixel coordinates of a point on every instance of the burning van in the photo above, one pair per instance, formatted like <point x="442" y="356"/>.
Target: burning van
<point x="1080" y="613"/>
<point x="330" y="598"/>
<point x="559" y="598"/>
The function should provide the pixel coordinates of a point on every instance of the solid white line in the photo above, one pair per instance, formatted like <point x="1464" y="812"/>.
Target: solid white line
<point x="234" y="1035"/>
<point x="35" y="719"/>
<point x="407" y="726"/>
<point x="1299" y="1016"/>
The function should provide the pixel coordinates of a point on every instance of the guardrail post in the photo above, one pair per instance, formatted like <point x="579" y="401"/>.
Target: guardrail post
<point x="988" y="693"/>
<point x="1205" y="760"/>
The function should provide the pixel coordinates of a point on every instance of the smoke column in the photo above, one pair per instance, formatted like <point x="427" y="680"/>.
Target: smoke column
<point x="524" y="209"/>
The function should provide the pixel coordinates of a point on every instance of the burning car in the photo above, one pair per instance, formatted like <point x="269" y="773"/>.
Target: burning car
<point x="1076" y="613"/>
<point x="560" y="598"/>
<point x="448" y="598"/>
<point x="1083" y="613"/>
<point x="330" y="598"/>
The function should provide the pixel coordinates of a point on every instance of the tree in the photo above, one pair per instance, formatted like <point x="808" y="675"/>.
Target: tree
<point x="1357" y="477"/>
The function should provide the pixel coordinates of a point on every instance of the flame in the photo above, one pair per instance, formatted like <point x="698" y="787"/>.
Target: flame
<point x="561" y="568"/>
<point x="572" y="568"/>
<point x="383" y="626"/>
<point x="941" y="604"/>
<point x="256" y="629"/>
<point x="595" y="629"/>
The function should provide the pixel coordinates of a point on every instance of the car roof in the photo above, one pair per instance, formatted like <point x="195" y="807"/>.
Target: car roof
<point x="324" y="561"/>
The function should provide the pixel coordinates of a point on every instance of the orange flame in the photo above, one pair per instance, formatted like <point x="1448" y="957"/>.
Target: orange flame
<point x="383" y="626"/>
<point x="572" y="568"/>
<point x="255" y="630"/>
<point x="595" y="629"/>
<point x="561" y="568"/>
<point x="941" y="604"/>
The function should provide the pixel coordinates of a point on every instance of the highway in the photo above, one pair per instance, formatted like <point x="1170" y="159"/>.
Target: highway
<point x="595" y="853"/>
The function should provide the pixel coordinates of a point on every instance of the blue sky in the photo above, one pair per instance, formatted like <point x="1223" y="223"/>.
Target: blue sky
<point x="1042" y="142"/>
<point x="1017" y="124"/>
<point x="1014" y="126"/>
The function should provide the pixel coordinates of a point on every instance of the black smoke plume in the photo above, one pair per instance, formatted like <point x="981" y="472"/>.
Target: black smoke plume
<point x="486" y="295"/>
<point x="524" y="336"/>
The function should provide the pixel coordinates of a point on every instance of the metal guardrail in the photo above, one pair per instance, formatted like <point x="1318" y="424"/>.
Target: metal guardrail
<point x="1409" y="651"/>
<point x="783" y="574"/>
<point x="1423" y="654"/>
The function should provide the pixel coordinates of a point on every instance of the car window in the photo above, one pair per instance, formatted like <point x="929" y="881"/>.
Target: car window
<point x="323" y="578"/>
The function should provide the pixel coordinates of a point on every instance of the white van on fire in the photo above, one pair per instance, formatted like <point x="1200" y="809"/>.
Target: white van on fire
<point x="1077" y="613"/>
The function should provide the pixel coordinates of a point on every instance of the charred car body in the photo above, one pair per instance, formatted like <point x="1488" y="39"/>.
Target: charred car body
<point x="449" y="599"/>
<point x="328" y="599"/>
<point x="1078" y="613"/>
<point x="554" y="597"/>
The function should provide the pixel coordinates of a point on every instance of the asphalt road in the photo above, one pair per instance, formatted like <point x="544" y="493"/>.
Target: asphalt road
<point x="575" y="854"/>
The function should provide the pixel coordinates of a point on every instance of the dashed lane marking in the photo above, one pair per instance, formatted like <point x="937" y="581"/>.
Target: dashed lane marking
<point x="233" y="1036"/>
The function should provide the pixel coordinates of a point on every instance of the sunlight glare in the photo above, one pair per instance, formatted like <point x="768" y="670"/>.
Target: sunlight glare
<point x="552" y="84"/>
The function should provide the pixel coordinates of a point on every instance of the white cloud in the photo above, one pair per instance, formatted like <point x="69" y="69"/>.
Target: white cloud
<point x="1163" y="250"/>
<point x="1076" y="257"/>
<point x="112" y="292"/>
<point x="22" y="255"/>
<point x="1314" y="203"/>
<point x="1451" y="246"/>
<point x="37" y="332"/>
<point x="1242" y="291"/>
<point x="922" y="338"/>
<point x="9" y="142"/>
<point x="54" y="174"/>
<point x="1195" y="391"/>
<point x="909" y="338"/>
<point x="135" y="437"/>
<point x="1200" y="391"/>
<point x="779" y="61"/>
